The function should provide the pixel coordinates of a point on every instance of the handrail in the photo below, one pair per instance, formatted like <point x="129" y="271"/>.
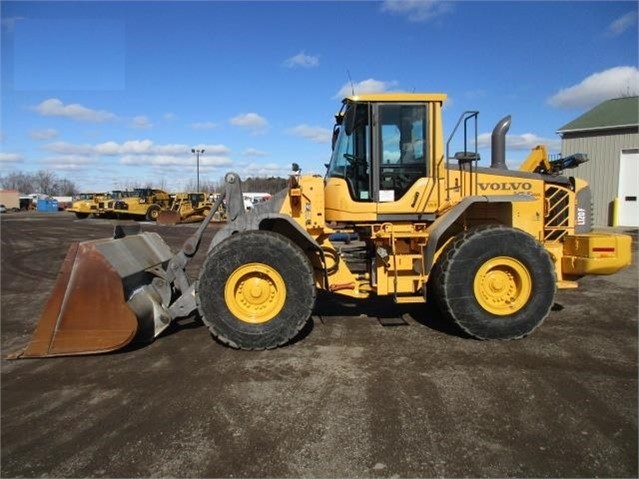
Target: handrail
<point x="465" y="116"/>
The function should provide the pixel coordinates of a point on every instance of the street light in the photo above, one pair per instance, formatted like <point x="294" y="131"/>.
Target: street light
<point x="197" y="153"/>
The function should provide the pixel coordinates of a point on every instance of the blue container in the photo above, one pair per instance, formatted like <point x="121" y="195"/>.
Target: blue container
<point x="47" y="205"/>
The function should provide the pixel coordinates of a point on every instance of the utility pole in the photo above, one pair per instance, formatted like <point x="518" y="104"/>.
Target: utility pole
<point x="197" y="153"/>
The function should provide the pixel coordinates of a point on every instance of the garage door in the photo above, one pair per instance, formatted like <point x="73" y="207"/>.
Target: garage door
<point x="628" y="208"/>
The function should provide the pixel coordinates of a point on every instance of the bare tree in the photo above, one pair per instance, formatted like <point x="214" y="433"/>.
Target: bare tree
<point x="17" y="181"/>
<point x="65" y="187"/>
<point x="45" y="182"/>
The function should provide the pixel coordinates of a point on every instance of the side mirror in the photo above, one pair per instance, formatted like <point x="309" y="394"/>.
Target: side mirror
<point x="295" y="167"/>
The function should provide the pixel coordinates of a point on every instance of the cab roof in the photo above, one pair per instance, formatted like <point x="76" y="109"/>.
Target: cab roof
<point x="398" y="97"/>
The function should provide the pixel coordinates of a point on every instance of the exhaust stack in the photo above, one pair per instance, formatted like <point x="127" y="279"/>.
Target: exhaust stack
<point x="498" y="144"/>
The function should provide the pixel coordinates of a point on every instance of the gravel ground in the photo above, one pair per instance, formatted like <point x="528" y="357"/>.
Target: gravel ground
<point x="350" y="398"/>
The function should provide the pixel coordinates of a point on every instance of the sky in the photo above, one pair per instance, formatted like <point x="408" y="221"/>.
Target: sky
<point x="113" y="94"/>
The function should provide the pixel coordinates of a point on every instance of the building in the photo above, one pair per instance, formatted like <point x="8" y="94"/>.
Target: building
<point x="609" y="135"/>
<point x="10" y="199"/>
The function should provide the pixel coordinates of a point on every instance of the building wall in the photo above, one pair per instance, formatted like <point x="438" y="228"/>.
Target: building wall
<point x="10" y="199"/>
<point x="602" y="171"/>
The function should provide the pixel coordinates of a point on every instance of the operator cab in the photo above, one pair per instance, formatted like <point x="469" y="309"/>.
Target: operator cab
<point x="380" y="152"/>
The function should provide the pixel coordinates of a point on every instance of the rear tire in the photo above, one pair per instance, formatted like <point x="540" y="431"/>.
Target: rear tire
<point x="495" y="282"/>
<point x="256" y="290"/>
<point x="81" y="216"/>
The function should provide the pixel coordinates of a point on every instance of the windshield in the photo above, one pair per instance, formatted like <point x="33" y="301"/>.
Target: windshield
<point x="351" y="156"/>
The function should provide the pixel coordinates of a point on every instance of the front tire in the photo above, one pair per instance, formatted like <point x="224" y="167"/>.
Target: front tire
<point x="256" y="290"/>
<point x="153" y="212"/>
<point x="495" y="282"/>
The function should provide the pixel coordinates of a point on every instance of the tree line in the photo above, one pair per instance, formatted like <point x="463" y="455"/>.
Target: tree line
<point x="48" y="183"/>
<point x="44" y="182"/>
<point x="269" y="185"/>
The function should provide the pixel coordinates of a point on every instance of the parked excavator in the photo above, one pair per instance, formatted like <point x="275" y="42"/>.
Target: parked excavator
<point x="489" y="245"/>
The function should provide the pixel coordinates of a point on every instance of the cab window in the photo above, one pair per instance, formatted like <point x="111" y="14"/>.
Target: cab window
<point x="402" y="133"/>
<point x="351" y="158"/>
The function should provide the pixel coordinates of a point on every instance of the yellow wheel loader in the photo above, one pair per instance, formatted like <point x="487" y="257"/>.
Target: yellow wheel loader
<point x="489" y="245"/>
<point x="186" y="208"/>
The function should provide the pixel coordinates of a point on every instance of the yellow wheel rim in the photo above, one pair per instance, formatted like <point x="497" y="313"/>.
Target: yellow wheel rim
<point x="502" y="286"/>
<point x="255" y="293"/>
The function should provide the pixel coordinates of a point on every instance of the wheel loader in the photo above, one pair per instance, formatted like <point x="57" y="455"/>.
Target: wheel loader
<point x="489" y="245"/>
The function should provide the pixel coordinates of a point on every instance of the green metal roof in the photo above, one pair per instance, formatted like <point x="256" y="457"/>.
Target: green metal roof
<point x="611" y="114"/>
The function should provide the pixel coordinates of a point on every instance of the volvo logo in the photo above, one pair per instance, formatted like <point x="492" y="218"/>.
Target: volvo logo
<point x="510" y="186"/>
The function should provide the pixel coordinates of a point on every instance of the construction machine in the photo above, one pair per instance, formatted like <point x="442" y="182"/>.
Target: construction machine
<point x="186" y="208"/>
<point x="141" y="203"/>
<point x="489" y="245"/>
<point x="86" y="204"/>
<point x="107" y="202"/>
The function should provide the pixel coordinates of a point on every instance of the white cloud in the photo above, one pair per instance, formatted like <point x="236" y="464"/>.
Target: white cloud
<point x="43" y="134"/>
<point x="204" y="125"/>
<point x="261" y="170"/>
<point x="316" y="134"/>
<point x="158" y="160"/>
<point x="215" y="150"/>
<point x="111" y="148"/>
<point x="215" y="160"/>
<point x="55" y="107"/>
<point x="523" y="142"/>
<point x="417" y="10"/>
<point x="69" y="162"/>
<point x="65" y="148"/>
<point x="141" y="121"/>
<point x="11" y="158"/>
<point x="623" y="23"/>
<point x="134" y="147"/>
<point x="170" y="160"/>
<point x="598" y="87"/>
<point x="302" y="60"/>
<point x="367" y="86"/>
<point x="251" y="121"/>
<point x="254" y="152"/>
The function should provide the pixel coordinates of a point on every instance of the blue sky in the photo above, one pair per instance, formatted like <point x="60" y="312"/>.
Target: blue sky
<point x="115" y="94"/>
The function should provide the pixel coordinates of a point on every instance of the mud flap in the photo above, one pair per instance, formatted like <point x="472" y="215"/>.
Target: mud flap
<point x="87" y="312"/>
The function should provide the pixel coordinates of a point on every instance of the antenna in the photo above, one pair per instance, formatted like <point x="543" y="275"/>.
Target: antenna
<point x="351" y="82"/>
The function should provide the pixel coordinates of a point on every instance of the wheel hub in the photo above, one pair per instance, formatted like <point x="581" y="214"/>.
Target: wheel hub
<point x="502" y="286"/>
<point x="255" y="293"/>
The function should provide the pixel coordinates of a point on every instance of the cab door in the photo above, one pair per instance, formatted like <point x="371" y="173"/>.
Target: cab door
<point x="401" y="159"/>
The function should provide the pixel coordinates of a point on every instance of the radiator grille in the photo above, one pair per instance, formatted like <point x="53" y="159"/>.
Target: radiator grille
<point x="557" y="219"/>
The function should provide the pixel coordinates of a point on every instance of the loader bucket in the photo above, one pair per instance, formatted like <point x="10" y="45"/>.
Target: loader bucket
<point x="87" y="312"/>
<point x="168" y="218"/>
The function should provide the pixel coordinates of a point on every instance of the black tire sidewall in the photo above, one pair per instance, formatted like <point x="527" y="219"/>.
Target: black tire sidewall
<point x="153" y="212"/>
<point x="470" y="255"/>
<point x="275" y="251"/>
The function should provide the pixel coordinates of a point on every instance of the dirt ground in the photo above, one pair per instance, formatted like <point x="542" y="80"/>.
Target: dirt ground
<point x="351" y="398"/>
